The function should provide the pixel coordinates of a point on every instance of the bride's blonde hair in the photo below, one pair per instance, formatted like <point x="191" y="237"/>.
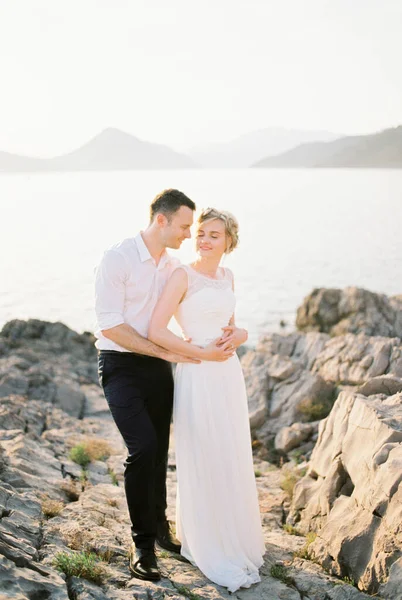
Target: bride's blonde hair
<point x="230" y="222"/>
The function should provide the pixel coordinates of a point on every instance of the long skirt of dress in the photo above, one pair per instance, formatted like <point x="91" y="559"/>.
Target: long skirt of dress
<point x="217" y="514"/>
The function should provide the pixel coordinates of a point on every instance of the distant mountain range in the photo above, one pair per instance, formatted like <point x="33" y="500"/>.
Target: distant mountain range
<point x="113" y="149"/>
<point x="377" y="150"/>
<point x="110" y="150"/>
<point x="251" y="147"/>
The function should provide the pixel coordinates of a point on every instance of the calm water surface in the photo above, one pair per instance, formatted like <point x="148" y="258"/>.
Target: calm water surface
<point x="299" y="229"/>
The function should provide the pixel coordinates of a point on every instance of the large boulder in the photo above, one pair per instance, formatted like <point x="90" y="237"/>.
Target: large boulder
<point x="281" y="387"/>
<point x="351" y="310"/>
<point x="296" y="378"/>
<point x="352" y="493"/>
<point x="36" y="334"/>
<point x="354" y="359"/>
<point x="292" y="437"/>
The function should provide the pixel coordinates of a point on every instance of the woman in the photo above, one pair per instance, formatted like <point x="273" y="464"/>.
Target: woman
<point x="217" y="513"/>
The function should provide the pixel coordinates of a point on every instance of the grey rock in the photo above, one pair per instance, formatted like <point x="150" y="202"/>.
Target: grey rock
<point x="13" y="384"/>
<point x="393" y="588"/>
<point x="347" y="592"/>
<point x="344" y="359"/>
<point x="26" y="584"/>
<point x="351" y="493"/>
<point x="80" y="589"/>
<point x="95" y="402"/>
<point x="257" y="383"/>
<point x="291" y="437"/>
<point x="289" y="396"/>
<point x="70" y="398"/>
<point x="352" y="310"/>
<point x="383" y="384"/>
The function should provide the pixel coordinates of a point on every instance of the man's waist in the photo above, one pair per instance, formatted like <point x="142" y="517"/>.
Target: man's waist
<point x="128" y="355"/>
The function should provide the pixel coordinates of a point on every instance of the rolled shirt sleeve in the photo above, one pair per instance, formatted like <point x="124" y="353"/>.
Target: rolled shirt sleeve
<point x="110" y="279"/>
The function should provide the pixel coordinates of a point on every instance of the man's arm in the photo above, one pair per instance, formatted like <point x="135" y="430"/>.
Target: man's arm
<point x="126" y="336"/>
<point x="110" y="284"/>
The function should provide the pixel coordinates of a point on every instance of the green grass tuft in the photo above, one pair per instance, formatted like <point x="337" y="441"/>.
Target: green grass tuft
<point x="280" y="572"/>
<point x="185" y="591"/>
<point x="305" y="552"/>
<point x="314" y="409"/>
<point x="291" y="530"/>
<point x="113" y="476"/>
<point x="80" y="564"/>
<point x="288" y="482"/>
<point x="79" y="455"/>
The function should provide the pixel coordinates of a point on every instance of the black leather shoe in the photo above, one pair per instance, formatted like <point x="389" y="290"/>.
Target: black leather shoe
<point x="165" y="538"/>
<point x="143" y="564"/>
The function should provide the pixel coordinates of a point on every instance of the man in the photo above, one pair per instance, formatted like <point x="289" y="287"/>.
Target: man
<point x="136" y="374"/>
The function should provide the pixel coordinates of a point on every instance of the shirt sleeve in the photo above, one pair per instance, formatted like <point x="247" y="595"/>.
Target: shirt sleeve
<point x="110" y="281"/>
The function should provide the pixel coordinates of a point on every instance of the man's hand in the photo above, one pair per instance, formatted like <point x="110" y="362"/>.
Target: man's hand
<point x="234" y="335"/>
<point x="217" y="353"/>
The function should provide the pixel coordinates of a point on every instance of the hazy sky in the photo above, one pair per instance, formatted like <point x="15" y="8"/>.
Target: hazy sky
<point x="183" y="72"/>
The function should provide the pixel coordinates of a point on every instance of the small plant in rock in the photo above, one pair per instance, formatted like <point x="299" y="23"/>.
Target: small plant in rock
<point x="311" y="537"/>
<point x="113" y="477"/>
<point x="74" y="538"/>
<point x="349" y="581"/>
<point x="79" y="455"/>
<point x="256" y="444"/>
<point x="112" y="502"/>
<point x="97" y="449"/>
<point x="270" y="454"/>
<point x="305" y="551"/>
<point x="81" y="564"/>
<point x="314" y="409"/>
<point x="257" y="473"/>
<point x="298" y="456"/>
<point x="84" y="477"/>
<point x="187" y="593"/>
<point x="288" y="482"/>
<point x="291" y="530"/>
<point x="281" y="572"/>
<point x="105" y="554"/>
<point x="51" y="508"/>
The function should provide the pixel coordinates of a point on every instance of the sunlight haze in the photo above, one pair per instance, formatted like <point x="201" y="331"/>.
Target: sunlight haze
<point x="186" y="73"/>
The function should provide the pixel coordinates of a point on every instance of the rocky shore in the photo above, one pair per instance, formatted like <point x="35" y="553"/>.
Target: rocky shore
<point x="325" y="409"/>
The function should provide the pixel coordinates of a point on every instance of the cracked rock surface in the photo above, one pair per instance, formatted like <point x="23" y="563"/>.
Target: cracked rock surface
<point x="38" y="428"/>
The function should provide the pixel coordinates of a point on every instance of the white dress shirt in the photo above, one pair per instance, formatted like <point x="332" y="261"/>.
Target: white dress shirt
<point x="127" y="287"/>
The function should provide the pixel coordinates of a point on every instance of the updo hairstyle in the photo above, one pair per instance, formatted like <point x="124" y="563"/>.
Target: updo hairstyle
<point x="230" y="222"/>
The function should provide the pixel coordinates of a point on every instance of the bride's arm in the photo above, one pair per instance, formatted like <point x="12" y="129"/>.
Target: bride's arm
<point x="159" y="333"/>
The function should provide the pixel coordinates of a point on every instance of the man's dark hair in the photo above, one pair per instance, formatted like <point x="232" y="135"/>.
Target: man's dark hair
<point x="168" y="202"/>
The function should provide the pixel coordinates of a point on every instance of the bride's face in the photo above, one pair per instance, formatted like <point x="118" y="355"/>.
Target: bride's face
<point x="211" y="239"/>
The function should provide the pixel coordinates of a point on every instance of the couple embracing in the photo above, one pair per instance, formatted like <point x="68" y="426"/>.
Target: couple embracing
<point x="139" y="287"/>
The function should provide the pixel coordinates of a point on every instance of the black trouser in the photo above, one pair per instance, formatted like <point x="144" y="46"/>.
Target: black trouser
<point x="139" y="391"/>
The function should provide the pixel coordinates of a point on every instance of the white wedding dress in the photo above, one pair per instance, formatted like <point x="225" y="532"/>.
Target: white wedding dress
<point x="217" y="513"/>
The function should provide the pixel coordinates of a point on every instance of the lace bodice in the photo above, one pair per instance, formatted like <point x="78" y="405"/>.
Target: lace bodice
<point x="207" y="306"/>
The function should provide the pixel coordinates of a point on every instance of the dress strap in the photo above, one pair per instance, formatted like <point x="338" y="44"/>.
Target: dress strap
<point x="228" y="274"/>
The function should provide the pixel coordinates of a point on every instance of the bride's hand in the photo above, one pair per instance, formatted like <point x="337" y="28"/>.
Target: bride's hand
<point x="217" y="353"/>
<point x="234" y="335"/>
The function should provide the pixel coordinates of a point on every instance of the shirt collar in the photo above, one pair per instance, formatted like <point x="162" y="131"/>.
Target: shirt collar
<point x="145" y="253"/>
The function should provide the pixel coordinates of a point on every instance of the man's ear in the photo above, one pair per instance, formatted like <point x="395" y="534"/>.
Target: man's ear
<point x="161" y="220"/>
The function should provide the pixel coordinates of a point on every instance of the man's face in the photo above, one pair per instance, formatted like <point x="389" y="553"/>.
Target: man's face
<point x="175" y="232"/>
